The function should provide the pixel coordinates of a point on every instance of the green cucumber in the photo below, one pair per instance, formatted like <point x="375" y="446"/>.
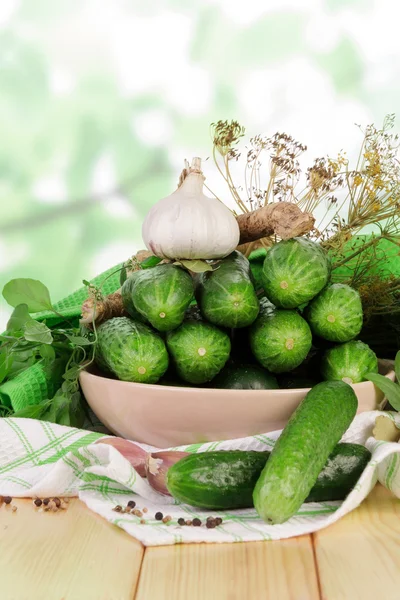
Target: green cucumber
<point x="126" y="294"/>
<point x="302" y="450"/>
<point x="226" y="479"/>
<point x="340" y="474"/>
<point x="294" y="271"/>
<point x="227" y="296"/>
<point x="336" y="314"/>
<point x="349" y="362"/>
<point x="131" y="351"/>
<point x="280" y="339"/>
<point x="162" y="295"/>
<point x="216" y="480"/>
<point x="199" y="350"/>
<point x="245" y="377"/>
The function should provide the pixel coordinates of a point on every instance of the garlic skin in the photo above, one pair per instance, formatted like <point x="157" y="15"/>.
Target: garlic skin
<point x="157" y="465"/>
<point x="189" y="225"/>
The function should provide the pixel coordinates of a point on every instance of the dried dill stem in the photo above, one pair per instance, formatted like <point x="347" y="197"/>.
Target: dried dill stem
<point x="283" y="219"/>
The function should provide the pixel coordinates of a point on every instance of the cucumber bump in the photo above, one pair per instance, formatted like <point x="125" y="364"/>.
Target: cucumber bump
<point x="303" y="449"/>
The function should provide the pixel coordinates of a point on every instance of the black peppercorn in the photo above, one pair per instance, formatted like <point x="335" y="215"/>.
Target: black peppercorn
<point x="181" y="521"/>
<point x="38" y="502"/>
<point x="196" y="522"/>
<point x="159" y="516"/>
<point x="131" y="504"/>
<point x="46" y="501"/>
<point x="57" y="502"/>
<point x="7" y="499"/>
<point x="210" y="524"/>
<point x="218" y="521"/>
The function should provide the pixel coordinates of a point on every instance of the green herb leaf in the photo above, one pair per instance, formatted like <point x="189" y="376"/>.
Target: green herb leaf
<point x="397" y="366"/>
<point x="38" y="332"/>
<point x="6" y="361"/>
<point x="71" y="374"/>
<point x="79" y="340"/>
<point x="35" y="411"/>
<point x="19" y="317"/>
<point x="47" y="352"/>
<point x="389" y="388"/>
<point x="151" y="261"/>
<point x="31" y="292"/>
<point x="196" y="266"/>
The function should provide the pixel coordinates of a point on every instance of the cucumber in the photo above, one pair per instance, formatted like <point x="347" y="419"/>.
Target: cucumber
<point x="126" y="293"/>
<point x="280" y="340"/>
<point x="336" y="314"/>
<point x="216" y="480"/>
<point x="245" y="377"/>
<point x="256" y="260"/>
<point x="199" y="350"/>
<point x="349" y="362"/>
<point x="131" y="351"/>
<point x="226" y="296"/>
<point x="162" y="295"/>
<point x="294" y="271"/>
<point x="340" y="474"/>
<point x="226" y="479"/>
<point x="303" y="449"/>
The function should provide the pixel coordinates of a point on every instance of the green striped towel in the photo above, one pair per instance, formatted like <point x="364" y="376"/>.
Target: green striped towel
<point x="39" y="458"/>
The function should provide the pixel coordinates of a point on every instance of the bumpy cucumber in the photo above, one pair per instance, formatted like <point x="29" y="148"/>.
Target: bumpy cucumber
<point x="216" y="480"/>
<point x="302" y="450"/>
<point x="340" y="474"/>
<point x="226" y="479"/>
<point x="131" y="351"/>
<point x="227" y="296"/>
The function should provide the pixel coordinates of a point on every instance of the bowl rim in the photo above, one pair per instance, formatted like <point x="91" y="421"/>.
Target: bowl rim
<point x="385" y="364"/>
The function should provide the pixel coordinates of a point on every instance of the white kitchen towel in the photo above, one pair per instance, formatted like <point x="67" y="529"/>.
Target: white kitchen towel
<point x="42" y="459"/>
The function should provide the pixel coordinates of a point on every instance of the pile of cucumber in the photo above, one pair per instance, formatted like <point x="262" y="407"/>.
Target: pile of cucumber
<point x="276" y="321"/>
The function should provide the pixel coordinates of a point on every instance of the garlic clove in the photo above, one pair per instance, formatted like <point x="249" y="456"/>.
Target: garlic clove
<point x="129" y="450"/>
<point x="157" y="465"/>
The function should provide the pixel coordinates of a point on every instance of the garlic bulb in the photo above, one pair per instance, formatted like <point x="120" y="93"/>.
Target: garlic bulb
<point x="189" y="225"/>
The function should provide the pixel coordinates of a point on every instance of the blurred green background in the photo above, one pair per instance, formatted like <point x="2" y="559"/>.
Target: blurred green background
<point x="102" y="100"/>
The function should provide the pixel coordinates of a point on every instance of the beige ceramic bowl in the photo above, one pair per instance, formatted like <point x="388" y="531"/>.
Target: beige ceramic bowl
<point x="171" y="416"/>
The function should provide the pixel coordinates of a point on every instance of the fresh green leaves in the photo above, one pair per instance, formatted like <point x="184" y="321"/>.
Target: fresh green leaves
<point x="151" y="261"/>
<point x="389" y="388"/>
<point x="196" y="266"/>
<point x="397" y="366"/>
<point x="6" y="361"/>
<point x="31" y="292"/>
<point x="37" y="332"/>
<point x="19" y="317"/>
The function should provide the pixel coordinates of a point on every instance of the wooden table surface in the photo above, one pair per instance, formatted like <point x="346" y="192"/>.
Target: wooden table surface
<point x="76" y="555"/>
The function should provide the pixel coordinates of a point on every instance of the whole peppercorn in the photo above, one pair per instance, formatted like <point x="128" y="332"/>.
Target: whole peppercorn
<point x="7" y="499"/>
<point x="117" y="508"/>
<point x="218" y="521"/>
<point x="181" y="521"/>
<point x="57" y="502"/>
<point x="210" y="524"/>
<point x="46" y="501"/>
<point x="158" y="516"/>
<point x="131" y="504"/>
<point x="37" y="502"/>
<point x="196" y="522"/>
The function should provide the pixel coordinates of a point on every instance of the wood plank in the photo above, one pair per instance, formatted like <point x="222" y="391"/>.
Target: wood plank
<point x="359" y="556"/>
<point x="283" y="570"/>
<point x="73" y="555"/>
